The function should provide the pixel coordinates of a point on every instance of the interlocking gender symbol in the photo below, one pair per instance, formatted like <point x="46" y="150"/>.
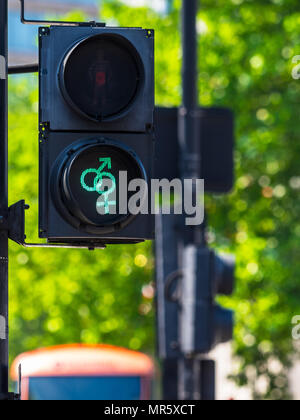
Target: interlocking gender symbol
<point x="100" y="186"/>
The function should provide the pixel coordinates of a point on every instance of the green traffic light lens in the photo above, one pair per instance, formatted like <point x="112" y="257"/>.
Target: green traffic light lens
<point x="86" y="184"/>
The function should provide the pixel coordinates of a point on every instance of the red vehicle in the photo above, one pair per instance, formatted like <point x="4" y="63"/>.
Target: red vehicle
<point x="84" y="372"/>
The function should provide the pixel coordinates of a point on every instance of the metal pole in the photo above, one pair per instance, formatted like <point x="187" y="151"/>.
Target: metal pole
<point x="207" y="380"/>
<point x="167" y="278"/>
<point x="188" y="368"/>
<point x="188" y="121"/>
<point x="23" y="69"/>
<point x="189" y="41"/>
<point x="3" y="201"/>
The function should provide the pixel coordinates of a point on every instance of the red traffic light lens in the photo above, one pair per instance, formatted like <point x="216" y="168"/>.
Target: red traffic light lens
<point x="100" y="77"/>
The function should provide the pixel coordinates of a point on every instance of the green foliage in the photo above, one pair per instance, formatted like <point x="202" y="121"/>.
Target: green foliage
<point x="77" y="296"/>
<point x="246" y="64"/>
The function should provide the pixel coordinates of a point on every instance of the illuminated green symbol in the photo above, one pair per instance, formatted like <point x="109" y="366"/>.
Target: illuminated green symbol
<point x="100" y="184"/>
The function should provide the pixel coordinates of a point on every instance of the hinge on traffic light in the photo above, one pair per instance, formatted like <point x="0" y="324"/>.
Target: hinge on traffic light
<point x="44" y="129"/>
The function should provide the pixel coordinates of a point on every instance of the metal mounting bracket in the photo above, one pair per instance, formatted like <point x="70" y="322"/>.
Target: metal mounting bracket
<point x="26" y="21"/>
<point x="14" y="223"/>
<point x="11" y="396"/>
<point x="34" y="68"/>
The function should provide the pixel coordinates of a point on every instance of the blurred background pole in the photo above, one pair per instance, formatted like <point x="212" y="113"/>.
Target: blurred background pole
<point x="188" y="121"/>
<point x="3" y="201"/>
<point x="190" y="64"/>
<point x="188" y="368"/>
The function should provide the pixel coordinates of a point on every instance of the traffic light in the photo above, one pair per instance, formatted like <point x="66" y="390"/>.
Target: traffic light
<point x="211" y="323"/>
<point x="96" y="132"/>
<point x="216" y="129"/>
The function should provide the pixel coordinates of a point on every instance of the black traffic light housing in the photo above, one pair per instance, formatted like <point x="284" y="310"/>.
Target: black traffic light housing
<point x="215" y="276"/>
<point x="216" y="136"/>
<point x="126" y="54"/>
<point x="96" y="119"/>
<point x="211" y="324"/>
<point x="58" y="221"/>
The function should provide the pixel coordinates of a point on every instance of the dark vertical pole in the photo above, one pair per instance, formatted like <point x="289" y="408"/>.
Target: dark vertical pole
<point x="189" y="41"/>
<point x="3" y="201"/>
<point x="188" y="376"/>
<point x="167" y="308"/>
<point x="208" y="380"/>
<point x="189" y="130"/>
<point x="170" y="379"/>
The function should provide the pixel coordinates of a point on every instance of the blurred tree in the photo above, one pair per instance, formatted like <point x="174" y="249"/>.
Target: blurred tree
<point x="246" y="62"/>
